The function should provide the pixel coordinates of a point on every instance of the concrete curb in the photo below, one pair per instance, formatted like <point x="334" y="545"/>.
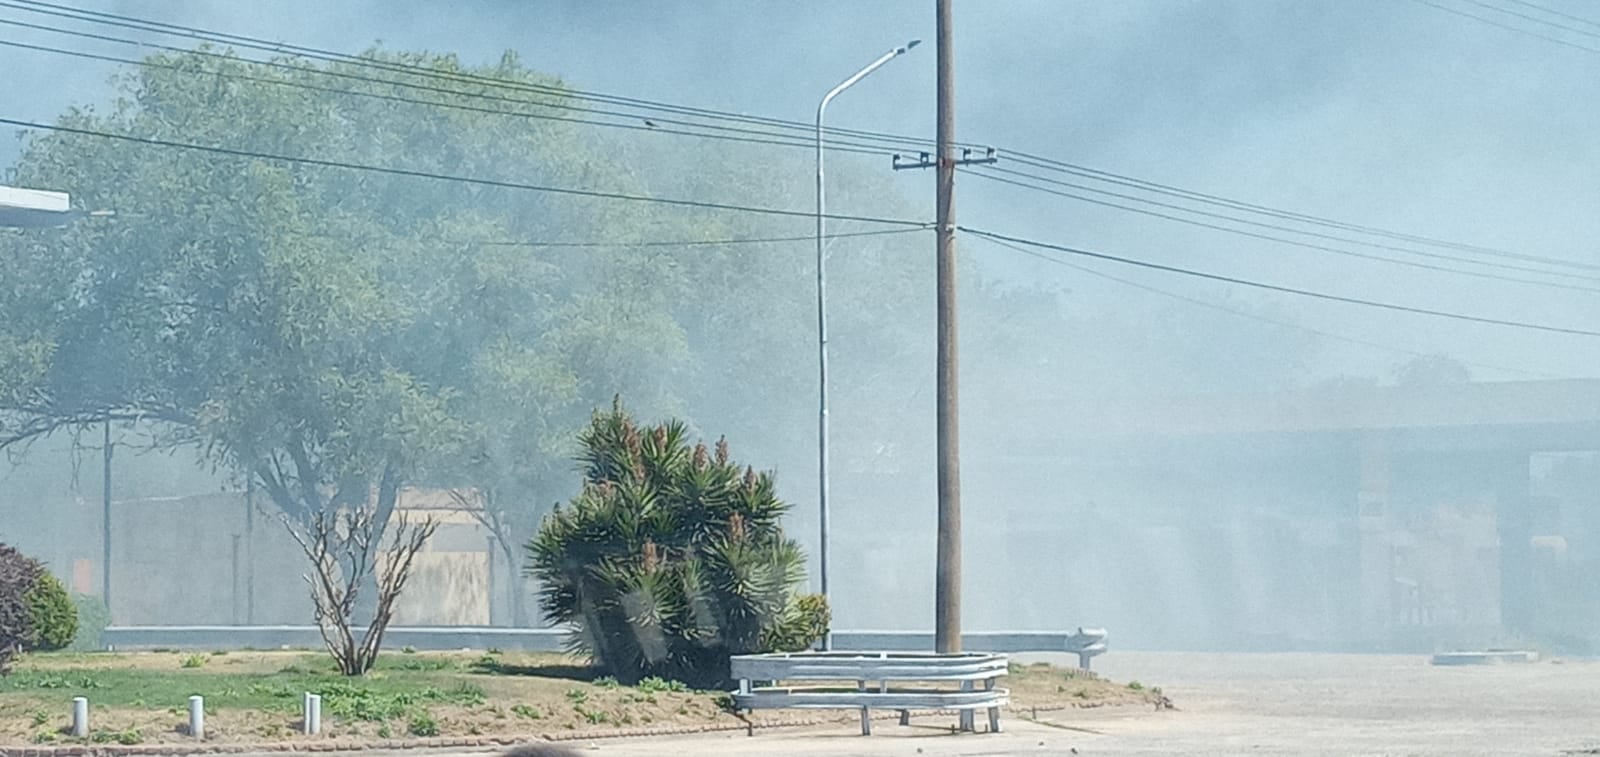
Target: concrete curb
<point x="352" y="745"/>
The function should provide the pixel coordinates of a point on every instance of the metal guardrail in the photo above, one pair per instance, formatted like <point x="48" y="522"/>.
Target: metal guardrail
<point x="1087" y="643"/>
<point x="214" y="637"/>
<point x="437" y="638"/>
<point x="760" y="677"/>
<point x="1487" y="657"/>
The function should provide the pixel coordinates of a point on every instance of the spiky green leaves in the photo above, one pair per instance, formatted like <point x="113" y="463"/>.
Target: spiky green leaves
<point x="671" y="558"/>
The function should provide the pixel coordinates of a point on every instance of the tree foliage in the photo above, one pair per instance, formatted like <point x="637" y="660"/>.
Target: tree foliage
<point x="333" y="335"/>
<point x="671" y="558"/>
<point x="326" y="331"/>
<point x="53" y="618"/>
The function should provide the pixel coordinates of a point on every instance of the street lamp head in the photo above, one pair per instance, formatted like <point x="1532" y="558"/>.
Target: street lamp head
<point x="907" y="48"/>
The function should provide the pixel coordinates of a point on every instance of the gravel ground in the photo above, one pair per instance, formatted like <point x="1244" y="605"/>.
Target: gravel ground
<point x="1305" y="704"/>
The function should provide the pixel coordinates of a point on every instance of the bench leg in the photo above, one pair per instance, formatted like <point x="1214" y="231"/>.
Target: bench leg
<point x="905" y="717"/>
<point x="866" y="714"/>
<point x="967" y="716"/>
<point x="994" y="712"/>
<point x="749" y="727"/>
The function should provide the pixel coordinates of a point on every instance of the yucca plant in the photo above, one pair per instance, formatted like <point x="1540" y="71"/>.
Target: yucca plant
<point x="671" y="558"/>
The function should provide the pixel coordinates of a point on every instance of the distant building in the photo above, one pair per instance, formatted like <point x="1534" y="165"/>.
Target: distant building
<point x="218" y="559"/>
<point x="1401" y="518"/>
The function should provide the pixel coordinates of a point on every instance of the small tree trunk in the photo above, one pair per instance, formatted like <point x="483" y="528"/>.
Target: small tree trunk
<point x="345" y="554"/>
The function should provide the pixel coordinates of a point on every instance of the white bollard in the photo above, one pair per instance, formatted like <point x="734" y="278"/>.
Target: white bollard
<point x="80" y="717"/>
<point x="313" y="714"/>
<point x="197" y="717"/>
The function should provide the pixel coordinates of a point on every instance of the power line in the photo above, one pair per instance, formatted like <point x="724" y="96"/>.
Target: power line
<point x="97" y="17"/>
<point x="452" y="177"/>
<point x="190" y="32"/>
<point x="1508" y="27"/>
<point x="1554" y="12"/>
<point x="1282" y="289"/>
<point x="1217" y="200"/>
<point x="1252" y="316"/>
<point x="700" y="242"/>
<point x="1530" y="17"/>
<point x="1292" y="242"/>
<point x="1236" y="219"/>
<point x="639" y="123"/>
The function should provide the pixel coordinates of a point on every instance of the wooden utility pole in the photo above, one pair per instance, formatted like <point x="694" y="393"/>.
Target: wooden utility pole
<point x="947" y="580"/>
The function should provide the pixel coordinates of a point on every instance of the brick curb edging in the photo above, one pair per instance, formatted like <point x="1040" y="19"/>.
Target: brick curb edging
<point x="458" y="742"/>
<point x="338" y="745"/>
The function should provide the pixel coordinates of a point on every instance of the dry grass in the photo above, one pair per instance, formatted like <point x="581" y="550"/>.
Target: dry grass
<point x="255" y="697"/>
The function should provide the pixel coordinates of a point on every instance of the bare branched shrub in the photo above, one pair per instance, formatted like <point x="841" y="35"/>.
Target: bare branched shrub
<point x="344" y="549"/>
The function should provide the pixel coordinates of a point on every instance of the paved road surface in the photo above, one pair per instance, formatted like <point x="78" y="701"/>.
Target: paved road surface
<point x="1294" y="704"/>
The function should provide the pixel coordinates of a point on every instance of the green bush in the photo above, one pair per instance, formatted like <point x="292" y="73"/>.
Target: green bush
<point x="18" y="575"/>
<point x="423" y="724"/>
<point x="36" y="612"/>
<point x="52" y="618"/>
<point x="671" y="558"/>
<point x="93" y="619"/>
<point x="803" y="625"/>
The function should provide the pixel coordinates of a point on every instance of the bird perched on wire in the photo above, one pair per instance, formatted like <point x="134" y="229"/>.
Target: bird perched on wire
<point x="649" y="123"/>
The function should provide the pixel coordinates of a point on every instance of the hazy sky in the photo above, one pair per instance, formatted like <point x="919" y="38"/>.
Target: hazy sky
<point x="1387" y="113"/>
<point x="1391" y="113"/>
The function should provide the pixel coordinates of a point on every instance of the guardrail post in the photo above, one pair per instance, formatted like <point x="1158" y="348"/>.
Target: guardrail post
<point x="1087" y="643"/>
<point x="994" y="712"/>
<point x="197" y="717"/>
<point x="866" y="713"/>
<point x="744" y="689"/>
<point x="965" y="716"/>
<point x="311" y="709"/>
<point x="80" y="717"/>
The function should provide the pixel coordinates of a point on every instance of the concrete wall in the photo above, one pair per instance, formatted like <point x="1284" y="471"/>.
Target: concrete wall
<point x="210" y="560"/>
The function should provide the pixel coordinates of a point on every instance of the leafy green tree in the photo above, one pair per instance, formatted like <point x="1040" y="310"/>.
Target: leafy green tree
<point x="325" y="331"/>
<point x="333" y="335"/>
<point x="671" y="558"/>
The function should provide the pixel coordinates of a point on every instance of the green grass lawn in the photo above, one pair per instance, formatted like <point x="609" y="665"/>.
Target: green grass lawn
<point x="243" y="681"/>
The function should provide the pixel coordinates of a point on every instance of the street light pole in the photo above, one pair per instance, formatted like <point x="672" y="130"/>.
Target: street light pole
<point x="822" y="322"/>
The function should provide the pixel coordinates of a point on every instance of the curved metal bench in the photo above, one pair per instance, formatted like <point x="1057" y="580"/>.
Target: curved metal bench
<point x="808" y="673"/>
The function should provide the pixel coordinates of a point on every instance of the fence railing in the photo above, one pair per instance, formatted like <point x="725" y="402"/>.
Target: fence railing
<point x="213" y="637"/>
